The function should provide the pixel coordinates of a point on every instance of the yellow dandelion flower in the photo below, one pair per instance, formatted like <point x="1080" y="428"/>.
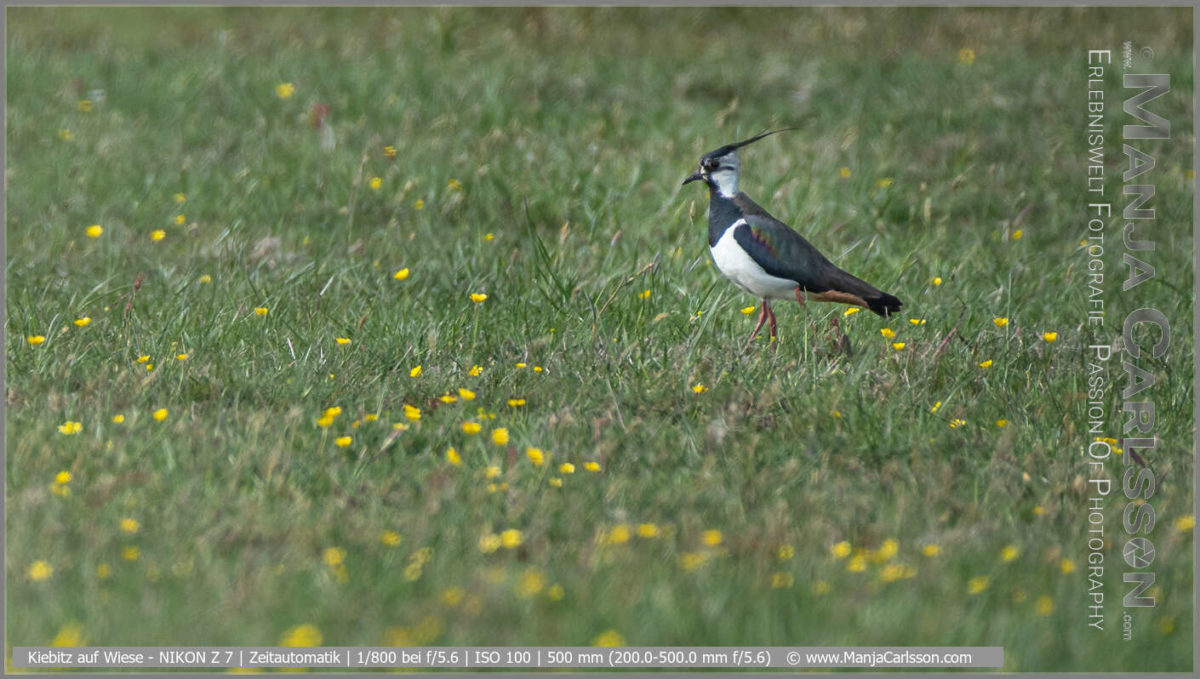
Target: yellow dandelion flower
<point x="130" y="525"/>
<point x="1009" y="553"/>
<point x="39" y="571"/>
<point x="453" y="596"/>
<point x="978" y="584"/>
<point x="782" y="580"/>
<point x="648" y="531"/>
<point x="180" y="198"/>
<point x="857" y="563"/>
<point x="181" y="357"/>
<point x="419" y="204"/>
<point x="285" y="90"/>
<point x="471" y="427"/>
<point x="986" y="364"/>
<point x="475" y="371"/>
<point x="609" y="638"/>
<point x="618" y="535"/>
<point x="966" y="56"/>
<point x="332" y="411"/>
<point x="389" y="152"/>
<point x="489" y="543"/>
<point x="556" y="482"/>
<point x="453" y="457"/>
<point x="489" y="236"/>
<point x="81" y="322"/>
<point x="785" y="553"/>
<point x="897" y="345"/>
<point x="376" y="183"/>
<point x="491" y="472"/>
<point x="536" y="456"/>
<point x="69" y="428"/>
<point x="837" y="414"/>
<point x="917" y="321"/>
<point x="699" y="388"/>
<point x="131" y="553"/>
<point x="931" y="550"/>
<point x="103" y="571"/>
<point x="500" y="436"/>
<point x="591" y="466"/>
<point x="261" y="310"/>
<point x="35" y="340"/>
<point x="937" y="280"/>
<point x="62" y="477"/>
<point x="851" y="311"/>
<point x="1016" y="235"/>
<point x="70" y="634"/>
<point x="1038" y="510"/>
<point x="895" y="571"/>
<point x="690" y="561"/>
<point x="887" y="333"/>
<point x="1050" y="336"/>
<point x="343" y="441"/>
<point x="1066" y="566"/>
<point x="1001" y="423"/>
<point x="844" y="172"/>
<point x="1044" y="606"/>
<point x="454" y="185"/>
<point x="95" y="231"/>
<point x="180" y="220"/>
<point x="333" y="556"/>
<point x="884" y="182"/>
<point x="511" y="538"/>
<point x="65" y="135"/>
<point x="840" y="550"/>
<point x="401" y="274"/>
<point x="342" y="341"/>
<point x="324" y="421"/>
<point x="886" y="551"/>
<point x="748" y="310"/>
<point x="478" y="297"/>
<point x="390" y="538"/>
<point x="85" y="105"/>
<point x="516" y="402"/>
<point x="160" y="414"/>
<point x="520" y="366"/>
<point x="370" y="417"/>
<point x="712" y="538"/>
<point x="157" y="235"/>
<point x="566" y="468"/>
<point x="555" y="593"/>
<point x="466" y="394"/>
<point x="1185" y="524"/>
<point x="956" y="423"/>
<point x="301" y="635"/>
<point x="1000" y="321"/>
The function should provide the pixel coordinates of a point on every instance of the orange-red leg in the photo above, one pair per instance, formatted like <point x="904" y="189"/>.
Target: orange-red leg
<point x="771" y="318"/>
<point x="762" y="317"/>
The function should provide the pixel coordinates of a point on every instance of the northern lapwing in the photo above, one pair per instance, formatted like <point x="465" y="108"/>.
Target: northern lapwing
<point x="764" y="256"/>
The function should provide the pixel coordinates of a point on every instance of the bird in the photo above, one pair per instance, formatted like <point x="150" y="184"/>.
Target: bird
<point x="766" y="257"/>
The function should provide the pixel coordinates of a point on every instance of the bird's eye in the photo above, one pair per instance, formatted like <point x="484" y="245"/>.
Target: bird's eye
<point x="710" y="163"/>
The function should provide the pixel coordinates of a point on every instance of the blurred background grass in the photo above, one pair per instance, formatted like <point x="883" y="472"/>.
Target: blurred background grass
<point x="538" y="156"/>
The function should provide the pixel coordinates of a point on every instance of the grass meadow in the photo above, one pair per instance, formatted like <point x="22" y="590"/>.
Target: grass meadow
<point x="303" y="428"/>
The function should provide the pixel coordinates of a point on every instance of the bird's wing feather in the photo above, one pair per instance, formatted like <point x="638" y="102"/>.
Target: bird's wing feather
<point x="782" y="252"/>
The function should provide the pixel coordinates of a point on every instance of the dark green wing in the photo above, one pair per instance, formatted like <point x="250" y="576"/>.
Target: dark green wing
<point x="780" y="251"/>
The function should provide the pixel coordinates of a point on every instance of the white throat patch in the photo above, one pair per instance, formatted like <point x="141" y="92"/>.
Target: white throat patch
<point x="726" y="181"/>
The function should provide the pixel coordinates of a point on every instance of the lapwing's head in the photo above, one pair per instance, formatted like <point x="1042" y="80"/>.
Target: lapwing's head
<point x="719" y="169"/>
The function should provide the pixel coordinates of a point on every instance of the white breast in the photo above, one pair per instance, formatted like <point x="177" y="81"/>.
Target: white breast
<point x="738" y="267"/>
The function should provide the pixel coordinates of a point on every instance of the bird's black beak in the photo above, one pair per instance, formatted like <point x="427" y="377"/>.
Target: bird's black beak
<point x="695" y="176"/>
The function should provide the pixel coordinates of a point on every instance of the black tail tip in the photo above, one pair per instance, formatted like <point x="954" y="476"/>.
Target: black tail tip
<point x="885" y="304"/>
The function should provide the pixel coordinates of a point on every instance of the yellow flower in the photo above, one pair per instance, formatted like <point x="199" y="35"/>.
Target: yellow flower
<point x="489" y="236"/>
<point x="851" y="311"/>
<point x="261" y="310"/>
<point x="95" y="231"/>
<point x="401" y="274"/>
<point x="143" y="359"/>
<point x="301" y="635"/>
<point x="648" y="530"/>
<point x="1038" y="510"/>
<point x="415" y="372"/>
<point x="419" y="205"/>
<point x="131" y="553"/>
<point x="1185" y="524"/>
<point x="333" y="556"/>
<point x="840" y="550"/>
<point x="937" y="280"/>
<point x="466" y="394"/>
<point x="1066" y="566"/>
<point x="699" y="388"/>
<point x="956" y="423"/>
<point x="966" y="56"/>
<point x="536" y="456"/>
<point x="897" y="345"/>
<point x="886" y="551"/>
<point x="160" y="414"/>
<point x="453" y="457"/>
<point x="857" y="564"/>
<point x="180" y="220"/>
<point x="931" y="550"/>
<point x="782" y="580"/>
<point x="81" y="322"/>
<point x="454" y="185"/>
<point x="1009" y="553"/>
<point x="1001" y="423"/>
<point x="785" y="553"/>
<point x="690" y="561"/>
<point x="986" y="364"/>
<point x="1044" y="606"/>
<point x="1000" y="321"/>
<point x="555" y="593"/>
<point x="471" y="427"/>
<point x="645" y="294"/>
<point x="516" y="402"/>
<point x="521" y="366"/>
<point x="500" y="436"/>
<point x="400" y="426"/>
<point x="285" y="90"/>
<point x="491" y="472"/>
<point x="447" y="398"/>
<point x="511" y="538"/>
<point x="181" y="357"/>
<point x="475" y="371"/>
<point x="712" y="538"/>
<point x="619" y="534"/>
<point x="376" y="183"/>
<point x="748" y="310"/>
<point x="884" y="182"/>
<point x="478" y="297"/>
<point x="85" y="105"/>
<point x="35" y="339"/>
<point x="39" y="571"/>
<point x="412" y="413"/>
<point x="130" y="525"/>
<point x="70" y="428"/>
<point x="977" y="584"/>
<point x="343" y="441"/>
<point x="65" y="135"/>
<point x="887" y="333"/>
<point x="489" y="543"/>
<point x="566" y="468"/>
<point x="609" y="638"/>
<point x="390" y="538"/>
<point x="205" y="279"/>
<point x="844" y="172"/>
<point x="917" y="321"/>
<point x="895" y="571"/>
<point x="71" y="634"/>
<point x="103" y="571"/>
<point x="62" y="477"/>
<point x="1050" y="336"/>
<point x="343" y="341"/>
<point x="1016" y="235"/>
<point x="157" y="235"/>
<point x="820" y="587"/>
<point x="180" y="198"/>
<point x="389" y="152"/>
<point x="324" y="421"/>
<point x="591" y="466"/>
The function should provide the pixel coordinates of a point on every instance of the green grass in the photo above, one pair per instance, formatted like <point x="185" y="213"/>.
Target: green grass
<point x="569" y="130"/>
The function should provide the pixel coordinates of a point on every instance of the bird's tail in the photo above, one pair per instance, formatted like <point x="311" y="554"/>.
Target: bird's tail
<point x="877" y="301"/>
<point x="883" y="303"/>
